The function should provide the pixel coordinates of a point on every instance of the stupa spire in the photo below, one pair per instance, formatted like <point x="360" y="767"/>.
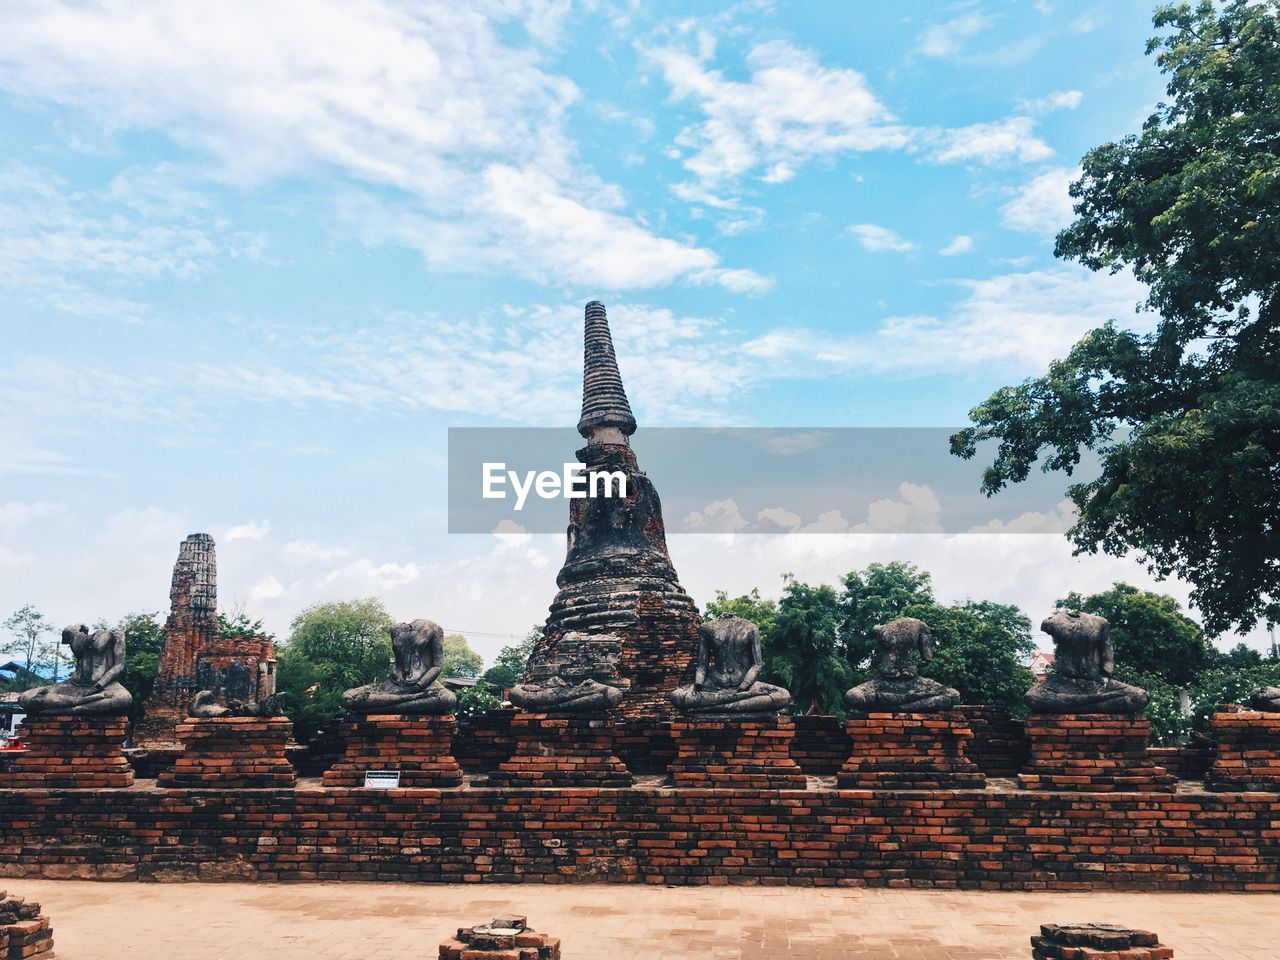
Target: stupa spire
<point x="606" y="415"/>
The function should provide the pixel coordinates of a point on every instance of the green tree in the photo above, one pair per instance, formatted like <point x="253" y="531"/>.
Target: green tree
<point x="1149" y="631"/>
<point x="1186" y="419"/>
<point x="750" y="606"/>
<point x="238" y="626"/>
<point x="459" y="659"/>
<point x="980" y="649"/>
<point x="508" y="667"/>
<point x="143" y="642"/>
<point x="803" y="652"/>
<point x="28" y="628"/>
<point x="477" y="699"/>
<point x="873" y="596"/>
<point x="331" y="648"/>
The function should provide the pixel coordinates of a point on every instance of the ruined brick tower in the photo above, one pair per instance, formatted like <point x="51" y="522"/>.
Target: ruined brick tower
<point x="617" y="575"/>
<point x="192" y="625"/>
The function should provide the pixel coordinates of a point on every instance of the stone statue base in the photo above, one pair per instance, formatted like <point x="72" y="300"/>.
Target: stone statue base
<point x="1101" y="941"/>
<point x="419" y="748"/>
<point x="909" y="751"/>
<point x="83" y="753"/>
<point x="1102" y="752"/>
<point x="562" y="751"/>
<point x="231" y="753"/>
<point x="744" y="754"/>
<point x="1248" y="751"/>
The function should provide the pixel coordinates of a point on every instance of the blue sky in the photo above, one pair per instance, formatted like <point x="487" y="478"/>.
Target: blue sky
<point x="256" y="258"/>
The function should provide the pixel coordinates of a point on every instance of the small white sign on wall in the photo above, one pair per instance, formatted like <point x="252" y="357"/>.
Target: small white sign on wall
<point x="381" y="779"/>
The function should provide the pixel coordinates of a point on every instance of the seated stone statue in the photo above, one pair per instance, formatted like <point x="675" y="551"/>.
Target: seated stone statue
<point x="898" y="687"/>
<point x="205" y="704"/>
<point x="414" y="686"/>
<point x="579" y="676"/>
<point x="1266" y="699"/>
<point x="725" y="684"/>
<point x="94" y="689"/>
<point x="1080" y="680"/>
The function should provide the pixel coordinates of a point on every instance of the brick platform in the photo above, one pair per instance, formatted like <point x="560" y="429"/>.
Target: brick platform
<point x="1096" y="941"/>
<point x="1091" y="751"/>
<point x="231" y="752"/>
<point x="79" y="752"/>
<point x="747" y="754"/>
<point x="960" y="839"/>
<point x="420" y="748"/>
<point x="24" y="931"/>
<point x="909" y="751"/>
<point x="504" y="938"/>
<point x="1248" y="751"/>
<point x="556" y="751"/>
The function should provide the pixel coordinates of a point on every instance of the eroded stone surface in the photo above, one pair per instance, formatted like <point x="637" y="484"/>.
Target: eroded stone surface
<point x="1081" y="680"/>
<point x="414" y="686"/>
<point x="898" y="685"/>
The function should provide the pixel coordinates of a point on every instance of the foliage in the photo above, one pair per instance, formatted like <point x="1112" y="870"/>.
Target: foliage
<point x="508" y="667"/>
<point x="749" y="606"/>
<point x="874" y="596"/>
<point x="980" y="649"/>
<point x="459" y="659"/>
<point x="331" y="648"/>
<point x="1186" y="420"/>
<point x="1169" y="726"/>
<point x="803" y="652"/>
<point x="239" y="626"/>
<point x="477" y="699"/>
<point x="1150" y="633"/>
<point x="1222" y="685"/>
<point x="143" y="643"/>
<point x="311" y="699"/>
<point x="1237" y="658"/>
<point x="28" y="628"/>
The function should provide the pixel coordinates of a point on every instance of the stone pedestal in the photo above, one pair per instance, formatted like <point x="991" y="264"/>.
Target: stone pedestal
<point x="1096" y="941"/>
<point x="24" y="930"/>
<point x="743" y="754"/>
<point x="506" y="938"/>
<point x="1247" y="756"/>
<point x="77" y="752"/>
<point x="419" y="748"/>
<point x="1091" y="752"/>
<point x="231" y="753"/>
<point x="909" y="751"/>
<point x="562" y="751"/>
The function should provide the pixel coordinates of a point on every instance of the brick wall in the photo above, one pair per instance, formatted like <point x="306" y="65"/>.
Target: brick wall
<point x="979" y="839"/>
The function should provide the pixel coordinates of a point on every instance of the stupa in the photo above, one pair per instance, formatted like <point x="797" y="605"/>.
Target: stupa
<point x="617" y="579"/>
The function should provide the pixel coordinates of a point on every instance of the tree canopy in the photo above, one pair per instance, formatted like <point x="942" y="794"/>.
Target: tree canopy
<point x="331" y="648"/>
<point x="459" y="659"/>
<point x="1149" y="631"/>
<point x="26" y="643"/>
<point x="509" y="665"/>
<point x="1185" y="419"/>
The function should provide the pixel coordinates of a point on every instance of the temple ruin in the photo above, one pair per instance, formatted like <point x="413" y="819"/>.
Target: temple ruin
<point x="195" y="655"/>
<point x="617" y="577"/>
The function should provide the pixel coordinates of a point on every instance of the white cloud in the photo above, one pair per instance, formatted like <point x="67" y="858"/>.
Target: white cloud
<point x="958" y="245"/>
<point x="1015" y="321"/>
<point x="450" y="104"/>
<point x="999" y="141"/>
<point x="790" y="109"/>
<point x="253" y="530"/>
<point x="878" y="239"/>
<point x="1058" y="100"/>
<point x="1042" y="205"/>
<point x="144" y="226"/>
<point x="949" y="38"/>
<point x="793" y="109"/>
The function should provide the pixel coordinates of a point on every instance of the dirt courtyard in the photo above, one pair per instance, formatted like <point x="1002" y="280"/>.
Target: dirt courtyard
<point x="353" y="921"/>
